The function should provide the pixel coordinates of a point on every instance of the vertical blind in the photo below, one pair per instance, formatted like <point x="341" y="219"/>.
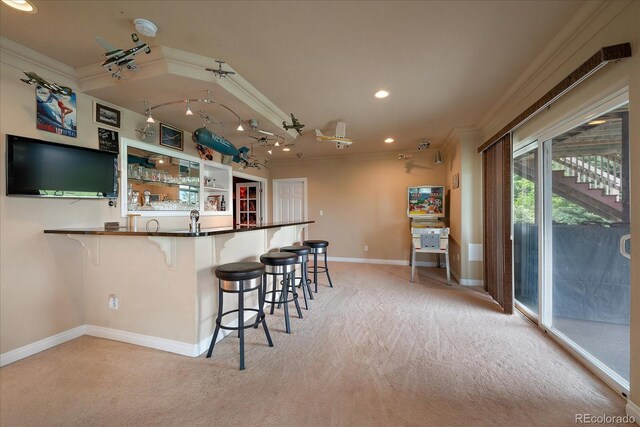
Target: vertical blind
<point x="496" y="194"/>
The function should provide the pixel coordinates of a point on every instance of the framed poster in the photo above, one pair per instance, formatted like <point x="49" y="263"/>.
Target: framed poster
<point x="171" y="137"/>
<point x="108" y="140"/>
<point x="56" y="112"/>
<point x="107" y="115"/>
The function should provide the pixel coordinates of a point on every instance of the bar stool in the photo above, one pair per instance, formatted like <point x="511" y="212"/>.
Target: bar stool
<point x="281" y="264"/>
<point x="318" y="247"/>
<point x="303" y="258"/>
<point x="240" y="278"/>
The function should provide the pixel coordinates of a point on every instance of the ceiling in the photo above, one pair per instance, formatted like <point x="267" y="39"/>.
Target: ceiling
<point x="444" y="62"/>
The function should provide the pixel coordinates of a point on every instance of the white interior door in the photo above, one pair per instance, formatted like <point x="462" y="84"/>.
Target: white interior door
<point x="289" y="199"/>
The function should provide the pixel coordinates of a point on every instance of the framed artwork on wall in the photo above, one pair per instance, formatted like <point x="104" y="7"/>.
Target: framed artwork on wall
<point x="171" y="137"/>
<point x="107" y="115"/>
<point x="56" y="112"/>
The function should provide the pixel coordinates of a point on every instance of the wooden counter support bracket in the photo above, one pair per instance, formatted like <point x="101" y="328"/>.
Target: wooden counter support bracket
<point x="91" y="244"/>
<point x="168" y="247"/>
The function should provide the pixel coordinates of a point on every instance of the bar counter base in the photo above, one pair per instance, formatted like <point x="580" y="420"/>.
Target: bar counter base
<point x="165" y="285"/>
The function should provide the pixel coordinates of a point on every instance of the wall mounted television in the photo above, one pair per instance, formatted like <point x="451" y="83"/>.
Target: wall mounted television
<point x="45" y="169"/>
<point x="426" y="202"/>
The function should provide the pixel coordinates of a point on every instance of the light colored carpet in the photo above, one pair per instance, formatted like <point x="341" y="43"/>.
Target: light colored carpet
<point x="376" y="350"/>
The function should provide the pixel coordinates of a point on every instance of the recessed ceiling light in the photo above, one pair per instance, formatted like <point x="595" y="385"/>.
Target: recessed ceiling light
<point x="381" y="94"/>
<point x="388" y="140"/>
<point x="597" y="122"/>
<point x="21" y="5"/>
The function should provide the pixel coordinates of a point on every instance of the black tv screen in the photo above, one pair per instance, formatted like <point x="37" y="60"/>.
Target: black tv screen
<point x="45" y="169"/>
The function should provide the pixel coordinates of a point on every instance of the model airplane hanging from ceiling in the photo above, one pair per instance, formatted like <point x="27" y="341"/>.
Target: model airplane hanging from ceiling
<point x="56" y="89"/>
<point x="119" y="59"/>
<point x="295" y="124"/>
<point x="339" y="138"/>
<point x="220" y="73"/>
<point x="205" y="137"/>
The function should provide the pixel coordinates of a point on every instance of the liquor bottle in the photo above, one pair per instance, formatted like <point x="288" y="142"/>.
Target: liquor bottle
<point x="223" y="204"/>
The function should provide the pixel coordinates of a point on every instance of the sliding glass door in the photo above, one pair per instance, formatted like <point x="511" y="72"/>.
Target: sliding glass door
<point x="525" y="229"/>
<point x="589" y="214"/>
<point x="571" y="229"/>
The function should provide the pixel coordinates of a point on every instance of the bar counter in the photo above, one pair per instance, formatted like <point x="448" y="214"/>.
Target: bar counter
<point x="124" y="231"/>
<point x="164" y="281"/>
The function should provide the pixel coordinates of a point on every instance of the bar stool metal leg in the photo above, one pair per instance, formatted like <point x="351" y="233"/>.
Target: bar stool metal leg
<point x="263" y="317"/>
<point x="220" y="311"/>
<point x="315" y="270"/>
<point x="326" y="269"/>
<point x="287" y="324"/>
<point x="241" y="323"/>
<point x="292" y="280"/>
<point x="306" y="282"/>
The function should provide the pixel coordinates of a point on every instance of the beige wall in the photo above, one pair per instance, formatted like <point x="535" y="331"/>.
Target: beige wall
<point x="363" y="199"/>
<point x="465" y="212"/>
<point x="611" y="23"/>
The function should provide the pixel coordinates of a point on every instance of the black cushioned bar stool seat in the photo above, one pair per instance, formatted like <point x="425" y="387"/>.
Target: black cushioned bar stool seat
<point x="240" y="278"/>
<point x="281" y="264"/>
<point x="318" y="247"/>
<point x="303" y="257"/>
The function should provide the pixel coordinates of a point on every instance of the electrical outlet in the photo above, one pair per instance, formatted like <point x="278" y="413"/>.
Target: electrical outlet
<point x="321" y="212"/>
<point x="113" y="302"/>
<point x="366" y="248"/>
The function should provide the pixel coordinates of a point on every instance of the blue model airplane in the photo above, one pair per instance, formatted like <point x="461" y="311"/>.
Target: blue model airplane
<point x="205" y="137"/>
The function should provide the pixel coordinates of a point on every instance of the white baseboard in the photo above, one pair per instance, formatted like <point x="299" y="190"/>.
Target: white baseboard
<point x="42" y="345"/>
<point x="466" y="282"/>
<point x="178" y="347"/>
<point x="471" y="282"/>
<point x="383" y="261"/>
<point x="164" y="344"/>
<point x="633" y="410"/>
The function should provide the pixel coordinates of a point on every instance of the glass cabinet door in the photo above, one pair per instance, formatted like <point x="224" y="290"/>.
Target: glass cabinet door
<point x="157" y="182"/>
<point x="248" y="204"/>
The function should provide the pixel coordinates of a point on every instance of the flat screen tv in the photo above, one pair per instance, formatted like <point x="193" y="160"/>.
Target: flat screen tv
<point x="426" y="202"/>
<point x="45" y="169"/>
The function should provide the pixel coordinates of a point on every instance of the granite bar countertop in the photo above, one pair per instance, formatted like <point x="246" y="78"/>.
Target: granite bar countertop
<point x="124" y="231"/>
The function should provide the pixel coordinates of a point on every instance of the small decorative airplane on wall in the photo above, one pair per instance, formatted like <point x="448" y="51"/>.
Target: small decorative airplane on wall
<point x="220" y="73"/>
<point x="339" y="138"/>
<point x="56" y="89"/>
<point x="119" y="59"/>
<point x="295" y="124"/>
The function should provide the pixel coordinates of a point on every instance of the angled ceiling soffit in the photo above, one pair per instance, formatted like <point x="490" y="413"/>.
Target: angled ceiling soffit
<point x="164" y="60"/>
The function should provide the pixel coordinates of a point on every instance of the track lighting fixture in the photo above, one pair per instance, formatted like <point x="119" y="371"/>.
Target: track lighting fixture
<point x="148" y="110"/>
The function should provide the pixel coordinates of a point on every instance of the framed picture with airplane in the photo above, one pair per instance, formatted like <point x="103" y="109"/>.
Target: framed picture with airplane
<point x="107" y="115"/>
<point x="171" y="137"/>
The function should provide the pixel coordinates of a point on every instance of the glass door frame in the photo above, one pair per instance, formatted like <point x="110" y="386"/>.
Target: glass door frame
<point x="526" y="148"/>
<point x="544" y="139"/>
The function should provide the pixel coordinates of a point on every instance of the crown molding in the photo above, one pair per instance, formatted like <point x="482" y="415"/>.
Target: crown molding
<point x="552" y="50"/>
<point x="460" y="133"/>
<point x="18" y="56"/>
